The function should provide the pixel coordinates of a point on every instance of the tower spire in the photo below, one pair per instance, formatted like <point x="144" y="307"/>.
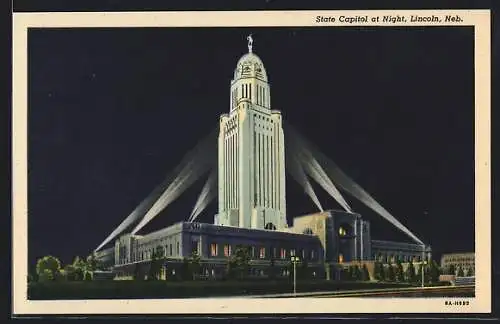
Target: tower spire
<point x="250" y="42"/>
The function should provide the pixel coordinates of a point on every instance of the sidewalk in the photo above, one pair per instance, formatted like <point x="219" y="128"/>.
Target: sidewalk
<point x="342" y="292"/>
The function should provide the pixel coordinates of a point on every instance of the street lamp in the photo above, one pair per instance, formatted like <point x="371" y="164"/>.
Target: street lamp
<point x="424" y="262"/>
<point x="294" y="260"/>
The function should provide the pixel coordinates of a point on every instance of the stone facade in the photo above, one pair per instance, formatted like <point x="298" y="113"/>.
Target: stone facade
<point x="326" y="241"/>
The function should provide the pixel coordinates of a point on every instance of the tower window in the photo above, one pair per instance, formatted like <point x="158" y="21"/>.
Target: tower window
<point x="258" y="93"/>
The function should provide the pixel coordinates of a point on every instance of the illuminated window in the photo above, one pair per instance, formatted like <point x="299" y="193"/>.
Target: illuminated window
<point x="262" y="252"/>
<point x="312" y="254"/>
<point x="213" y="249"/>
<point x="292" y="252"/>
<point x="341" y="258"/>
<point x="303" y="253"/>
<point x="342" y="231"/>
<point x="283" y="253"/>
<point x="227" y="250"/>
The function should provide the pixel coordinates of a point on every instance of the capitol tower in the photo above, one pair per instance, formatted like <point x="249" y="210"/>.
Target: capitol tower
<point x="251" y="152"/>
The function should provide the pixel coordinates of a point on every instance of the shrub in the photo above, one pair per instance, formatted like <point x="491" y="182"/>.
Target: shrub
<point x="365" y="275"/>
<point x="46" y="275"/>
<point x="376" y="271"/>
<point x="356" y="273"/>
<point x="410" y="273"/>
<point x="88" y="276"/>
<point x="399" y="273"/>
<point x="48" y="267"/>
<point x="434" y="272"/>
<point x="390" y="273"/>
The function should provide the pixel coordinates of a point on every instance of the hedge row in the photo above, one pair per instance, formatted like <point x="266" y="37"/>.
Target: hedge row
<point x="165" y="289"/>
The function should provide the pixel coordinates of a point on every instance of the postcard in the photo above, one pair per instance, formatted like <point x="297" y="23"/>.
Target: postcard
<point x="238" y="162"/>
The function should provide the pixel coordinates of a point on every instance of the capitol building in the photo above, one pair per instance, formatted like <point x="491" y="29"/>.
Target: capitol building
<point x="252" y="205"/>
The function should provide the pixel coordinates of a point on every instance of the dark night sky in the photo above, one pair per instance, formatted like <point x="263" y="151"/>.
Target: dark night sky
<point x="112" y="111"/>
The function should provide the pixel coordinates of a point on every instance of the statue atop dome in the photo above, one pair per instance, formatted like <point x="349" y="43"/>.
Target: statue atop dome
<point x="250" y="42"/>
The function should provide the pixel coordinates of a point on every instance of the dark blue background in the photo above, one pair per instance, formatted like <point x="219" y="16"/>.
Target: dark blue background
<point x="112" y="111"/>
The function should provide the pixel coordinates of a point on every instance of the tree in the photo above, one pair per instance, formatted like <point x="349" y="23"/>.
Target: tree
<point x="93" y="263"/>
<point x="137" y="272"/>
<point x="194" y="265"/>
<point x="434" y="272"/>
<point x="156" y="264"/>
<point x="80" y="267"/>
<point x="303" y="270"/>
<point x="399" y="273"/>
<point x="470" y="272"/>
<point x="79" y="263"/>
<point x="451" y="269"/>
<point x="239" y="263"/>
<point x="88" y="276"/>
<point x="48" y="268"/>
<point x="184" y="272"/>
<point x="418" y="273"/>
<point x="70" y="272"/>
<point x="410" y="272"/>
<point x="376" y="271"/>
<point x="356" y="273"/>
<point x="272" y="268"/>
<point x="379" y="271"/>
<point x="460" y="272"/>
<point x="365" y="275"/>
<point x="382" y="271"/>
<point x="46" y="275"/>
<point x="350" y="273"/>
<point x="390" y="273"/>
<point x="427" y="272"/>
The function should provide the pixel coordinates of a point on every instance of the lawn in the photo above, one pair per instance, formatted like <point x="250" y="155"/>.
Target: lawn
<point x="129" y="289"/>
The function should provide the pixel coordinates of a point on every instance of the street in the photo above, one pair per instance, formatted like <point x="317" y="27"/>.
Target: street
<point x="447" y="291"/>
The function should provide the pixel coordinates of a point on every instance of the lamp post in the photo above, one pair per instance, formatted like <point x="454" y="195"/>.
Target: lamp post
<point x="423" y="265"/>
<point x="294" y="260"/>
